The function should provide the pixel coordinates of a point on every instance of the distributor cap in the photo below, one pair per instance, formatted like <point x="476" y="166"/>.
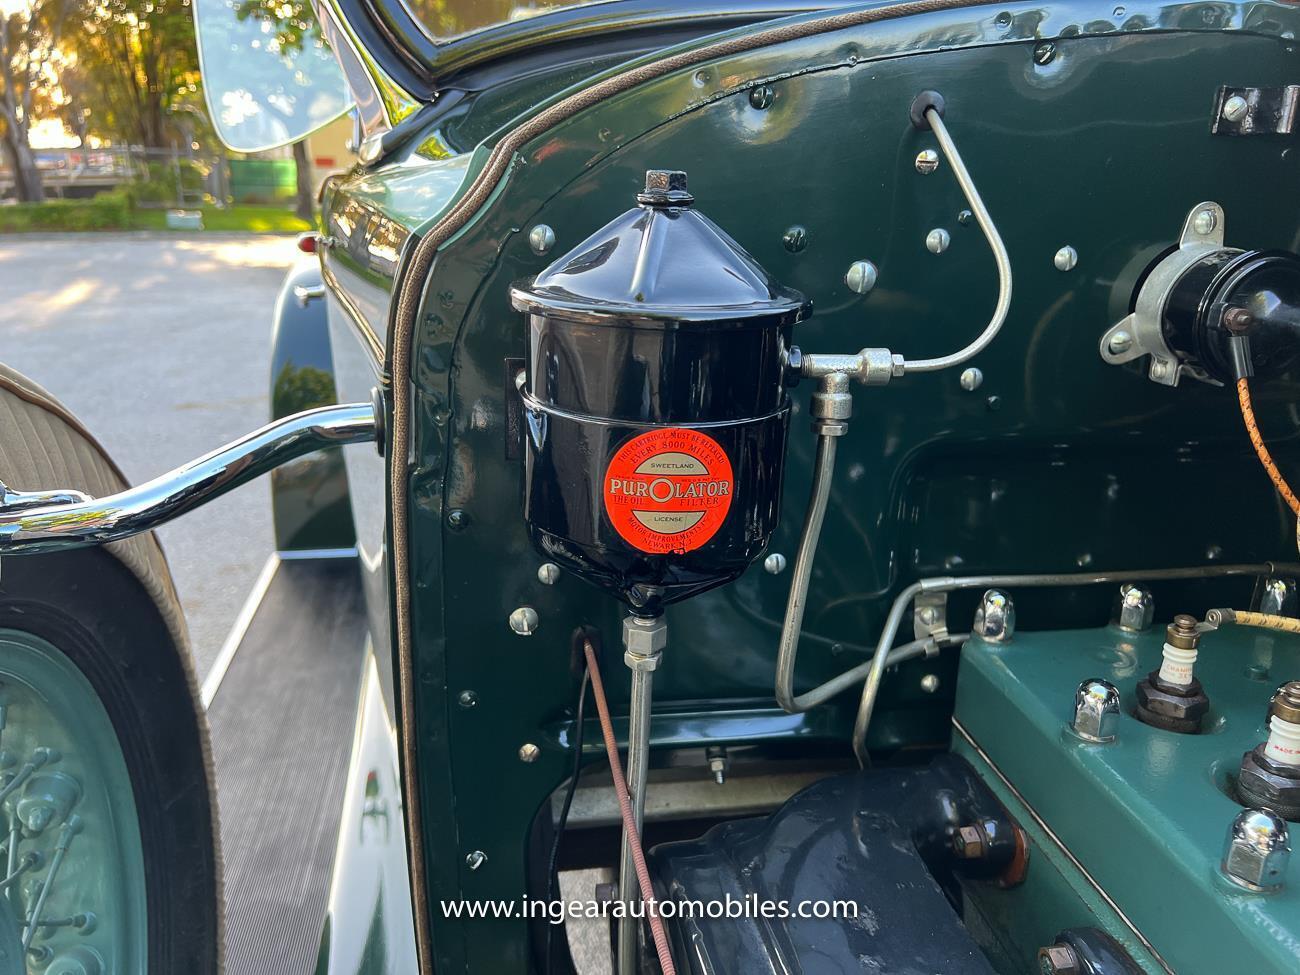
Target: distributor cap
<point x="662" y="262"/>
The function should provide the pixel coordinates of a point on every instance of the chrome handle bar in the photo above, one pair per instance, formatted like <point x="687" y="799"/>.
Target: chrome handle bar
<point x="50" y="521"/>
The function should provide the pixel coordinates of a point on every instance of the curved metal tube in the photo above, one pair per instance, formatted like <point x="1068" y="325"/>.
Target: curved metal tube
<point x="995" y="244"/>
<point x="796" y="603"/>
<point x="26" y="529"/>
<point x="951" y="583"/>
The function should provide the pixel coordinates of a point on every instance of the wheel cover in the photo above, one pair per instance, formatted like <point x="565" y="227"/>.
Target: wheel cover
<point x="70" y="849"/>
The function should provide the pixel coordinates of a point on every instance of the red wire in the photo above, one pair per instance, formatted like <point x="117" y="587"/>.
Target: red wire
<point x="629" y="821"/>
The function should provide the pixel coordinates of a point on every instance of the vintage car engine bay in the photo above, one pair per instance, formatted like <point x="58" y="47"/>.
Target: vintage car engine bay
<point x="834" y="502"/>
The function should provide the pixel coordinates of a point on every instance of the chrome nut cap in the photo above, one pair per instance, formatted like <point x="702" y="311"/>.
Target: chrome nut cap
<point x="995" y="619"/>
<point x="1257" y="851"/>
<point x="1096" y="711"/>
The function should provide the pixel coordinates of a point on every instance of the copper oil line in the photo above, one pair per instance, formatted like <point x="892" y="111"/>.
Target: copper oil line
<point x="629" y="821"/>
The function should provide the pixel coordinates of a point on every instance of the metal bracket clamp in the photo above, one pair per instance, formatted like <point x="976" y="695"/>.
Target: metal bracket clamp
<point x="1255" y="111"/>
<point x="1140" y="333"/>
<point x="930" y="615"/>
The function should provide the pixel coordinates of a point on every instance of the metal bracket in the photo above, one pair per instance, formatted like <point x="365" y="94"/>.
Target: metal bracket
<point x="1140" y="333"/>
<point x="1255" y="111"/>
<point x="930" y="615"/>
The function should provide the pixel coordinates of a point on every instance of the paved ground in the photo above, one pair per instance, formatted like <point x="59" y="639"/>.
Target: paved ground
<point x="161" y="345"/>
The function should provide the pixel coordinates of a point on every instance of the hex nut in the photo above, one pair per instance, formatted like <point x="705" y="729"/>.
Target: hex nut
<point x="1257" y="851"/>
<point x="1137" y="608"/>
<point x="1059" y="959"/>
<point x="1261" y="782"/>
<point x="969" y="843"/>
<point x="644" y="638"/>
<point x="1167" y="706"/>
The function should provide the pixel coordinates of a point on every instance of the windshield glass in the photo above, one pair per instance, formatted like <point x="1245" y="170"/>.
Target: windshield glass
<point x="445" y="19"/>
<point x="268" y="75"/>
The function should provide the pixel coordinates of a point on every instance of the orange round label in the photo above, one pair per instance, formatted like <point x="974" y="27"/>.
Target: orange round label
<point x="668" y="490"/>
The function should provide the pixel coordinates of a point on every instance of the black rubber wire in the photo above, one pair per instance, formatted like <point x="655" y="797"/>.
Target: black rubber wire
<point x="552" y="875"/>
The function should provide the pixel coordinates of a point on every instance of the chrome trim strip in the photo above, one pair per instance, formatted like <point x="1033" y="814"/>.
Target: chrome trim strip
<point x="212" y="682"/>
<point x="1056" y="840"/>
<point x="54" y="527"/>
<point x="294" y="554"/>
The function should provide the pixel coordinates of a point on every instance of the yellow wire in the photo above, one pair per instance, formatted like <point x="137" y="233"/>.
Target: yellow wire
<point x="1266" y="620"/>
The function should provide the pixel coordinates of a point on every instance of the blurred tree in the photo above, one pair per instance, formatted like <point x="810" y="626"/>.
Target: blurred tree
<point x="135" y="65"/>
<point x="30" y="32"/>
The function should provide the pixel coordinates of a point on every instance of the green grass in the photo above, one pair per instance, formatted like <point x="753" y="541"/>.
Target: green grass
<point x="115" y="211"/>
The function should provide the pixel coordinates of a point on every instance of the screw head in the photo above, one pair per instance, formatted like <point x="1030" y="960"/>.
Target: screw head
<point x="1204" y="222"/>
<point x="761" y="97"/>
<point x="475" y="859"/>
<point x="1234" y="109"/>
<point x="861" y="276"/>
<point x="1120" y="342"/>
<point x="1159" y="369"/>
<point x="457" y="518"/>
<point x="467" y="699"/>
<point x="927" y="161"/>
<point x="930" y="683"/>
<point x="971" y="379"/>
<point x="795" y="239"/>
<point x="548" y="573"/>
<point x="1066" y="258"/>
<point x="529" y="753"/>
<point x="937" y="240"/>
<point x="774" y="563"/>
<point x="1045" y="52"/>
<point x="541" y="239"/>
<point x="524" y="621"/>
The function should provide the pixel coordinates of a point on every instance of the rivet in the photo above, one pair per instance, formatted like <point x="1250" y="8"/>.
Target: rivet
<point x="524" y="621"/>
<point x="529" y="752"/>
<point x="1204" y="222"/>
<point x="475" y="859"/>
<point x="930" y="683"/>
<point x="1045" y="52"/>
<point x="1120" y="342"/>
<point x="795" y="239"/>
<point x="927" y="161"/>
<point x="937" y="240"/>
<point x="1235" y="108"/>
<point x="965" y="217"/>
<point x="971" y="379"/>
<point x="467" y="699"/>
<point x="1066" y="258"/>
<point x="457" y="518"/>
<point x="774" y="563"/>
<point x="861" y="276"/>
<point x="761" y="97"/>
<point x="548" y="573"/>
<point x="541" y="238"/>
